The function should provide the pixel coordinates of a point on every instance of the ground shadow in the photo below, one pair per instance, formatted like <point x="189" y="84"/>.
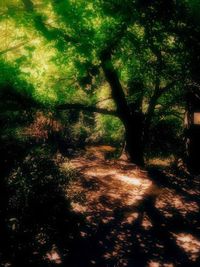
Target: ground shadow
<point x="42" y="228"/>
<point x="37" y="219"/>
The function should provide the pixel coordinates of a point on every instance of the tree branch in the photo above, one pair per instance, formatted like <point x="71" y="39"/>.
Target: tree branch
<point x="152" y="105"/>
<point x="166" y="88"/>
<point x="86" y="108"/>
<point x="117" y="92"/>
<point x="102" y="100"/>
<point x="17" y="106"/>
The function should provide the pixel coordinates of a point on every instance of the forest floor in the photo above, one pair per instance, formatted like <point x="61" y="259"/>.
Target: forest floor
<point x="92" y="211"/>
<point x="133" y="217"/>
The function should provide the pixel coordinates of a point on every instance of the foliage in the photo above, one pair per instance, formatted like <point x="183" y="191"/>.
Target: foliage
<point x="33" y="179"/>
<point x="166" y="137"/>
<point x="51" y="53"/>
<point x="108" y="131"/>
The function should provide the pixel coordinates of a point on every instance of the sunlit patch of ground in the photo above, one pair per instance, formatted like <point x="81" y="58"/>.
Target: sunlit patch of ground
<point x="114" y="194"/>
<point x="169" y="201"/>
<point x="158" y="264"/>
<point x="53" y="256"/>
<point x="99" y="152"/>
<point x="161" y="161"/>
<point x="102" y="189"/>
<point x="146" y="222"/>
<point x="107" y="185"/>
<point x="189" y="243"/>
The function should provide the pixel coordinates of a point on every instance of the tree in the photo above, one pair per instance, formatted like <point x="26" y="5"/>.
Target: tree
<point x="133" y="46"/>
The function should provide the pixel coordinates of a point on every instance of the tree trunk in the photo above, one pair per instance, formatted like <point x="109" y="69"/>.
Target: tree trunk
<point x="132" y="121"/>
<point x="134" y="139"/>
<point x="193" y="133"/>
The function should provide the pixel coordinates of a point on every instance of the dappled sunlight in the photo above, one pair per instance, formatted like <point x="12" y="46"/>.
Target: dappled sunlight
<point x="111" y="213"/>
<point x="120" y="245"/>
<point x="99" y="171"/>
<point x="105" y="186"/>
<point x="78" y="207"/>
<point x="53" y="256"/>
<point x="146" y="222"/>
<point x="129" y="180"/>
<point x="101" y="191"/>
<point x="41" y="238"/>
<point x="189" y="243"/>
<point x="99" y="133"/>
<point x="170" y="200"/>
<point x="129" y="213"/>
<point x="99" y="151"/>
<point x="130" y="217"/>
<point x="158" y="264"/>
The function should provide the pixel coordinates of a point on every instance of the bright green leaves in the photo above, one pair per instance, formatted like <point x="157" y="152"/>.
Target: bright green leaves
<point x="56" y="46"/>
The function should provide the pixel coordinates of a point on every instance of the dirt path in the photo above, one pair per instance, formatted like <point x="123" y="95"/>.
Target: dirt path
<point x="130" y="218"/>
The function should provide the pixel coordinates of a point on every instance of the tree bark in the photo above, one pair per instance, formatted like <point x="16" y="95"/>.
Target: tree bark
<point x="134" y="139"/>
<point x="132" y="121"/>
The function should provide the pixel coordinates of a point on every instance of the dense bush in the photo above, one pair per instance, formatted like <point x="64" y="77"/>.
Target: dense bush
<point x="166" y="137"/>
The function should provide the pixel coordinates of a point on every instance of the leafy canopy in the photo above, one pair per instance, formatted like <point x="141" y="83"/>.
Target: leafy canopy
<point x="55" y="46"/>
